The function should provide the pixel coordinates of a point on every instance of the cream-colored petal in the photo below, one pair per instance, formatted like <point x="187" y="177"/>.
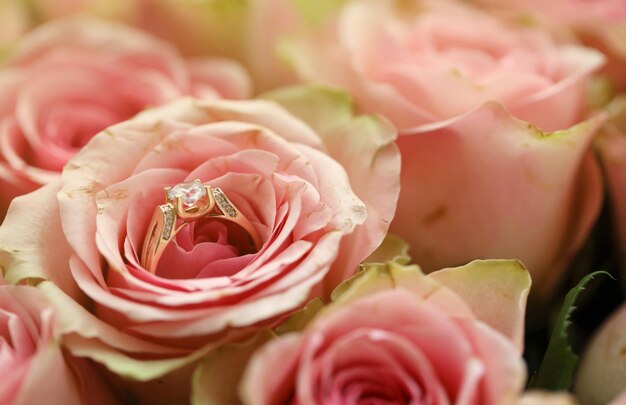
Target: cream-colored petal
<point x="216" y="378"/>
<point x="496" y="290"/>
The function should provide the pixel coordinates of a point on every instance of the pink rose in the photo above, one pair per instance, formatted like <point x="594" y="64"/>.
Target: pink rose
<point x="487" y="185"/>
<point x="243" y="30"/>
<point x="567" y="11"/>
<point x="319" y="186"/>
<point x="70" y="79"/>
<point x="427" y="63"/>
<point x="476" y="182"/>
<point x="599" y="23"/>
<point x="34" y="368"/>
<point x="396" y="336"/>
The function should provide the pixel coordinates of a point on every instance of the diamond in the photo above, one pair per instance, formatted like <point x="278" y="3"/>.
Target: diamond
<point x="190" y="192"/>
<point x="223" y="202"/>
<point x="168" y="220"/>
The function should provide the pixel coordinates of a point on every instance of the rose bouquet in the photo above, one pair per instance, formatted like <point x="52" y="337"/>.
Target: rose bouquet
<point x="312" y="202"/>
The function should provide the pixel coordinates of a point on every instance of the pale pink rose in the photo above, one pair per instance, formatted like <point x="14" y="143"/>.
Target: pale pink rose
<point x="70" y="79"/>
<point x="34" y="368"/>
<point x="427" y="62"/>
<point x="597" y="23"/>
<point x="246" y="31"/>
<point x="601" y="374"/>
<point x="320" y="190"/>
<point x="397" y="336"/>
<point x="582" y="11"/>
<point x="565" y="11"/>
<point x="476" y="181"/>
<point x="487" y="185"/>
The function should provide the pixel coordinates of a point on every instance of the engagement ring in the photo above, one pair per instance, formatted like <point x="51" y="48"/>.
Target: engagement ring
<point x="186" y="203"/>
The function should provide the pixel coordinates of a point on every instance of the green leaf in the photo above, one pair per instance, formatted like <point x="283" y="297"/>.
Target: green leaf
<point x="559" y="361"/>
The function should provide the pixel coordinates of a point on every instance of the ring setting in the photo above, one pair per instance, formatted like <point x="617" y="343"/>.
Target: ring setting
<point x="185" y="203"/>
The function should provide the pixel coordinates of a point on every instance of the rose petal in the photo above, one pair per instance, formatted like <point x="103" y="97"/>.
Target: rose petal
<point x="551" y="170"/>
<point x="495" y="290"/>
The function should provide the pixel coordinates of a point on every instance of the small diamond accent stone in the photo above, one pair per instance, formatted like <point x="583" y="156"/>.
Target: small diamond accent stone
<point x="168" y="220"/>
<point x="190" y="192"/>
<point x="224" y="203"/>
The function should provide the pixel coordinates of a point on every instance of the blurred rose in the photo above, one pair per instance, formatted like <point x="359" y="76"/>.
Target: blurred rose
<point x="319" y="189"/>
<point x="430" y="61"/>
<point x="246" y="31"/>
<point x="476" y="182"/>
<point x="396" y="336"/>
<point x="598" y="23"/>
<point x="487" y="185"/>
<point x="601" y="375"/>
<point x="568" y="11"/>
<point x="53" y="9"/>
<point x="34" y="368"/>
<point x="70" y="79"/>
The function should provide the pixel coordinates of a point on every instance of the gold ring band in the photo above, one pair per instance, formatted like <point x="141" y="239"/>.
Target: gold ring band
<point x="186" y="203"/>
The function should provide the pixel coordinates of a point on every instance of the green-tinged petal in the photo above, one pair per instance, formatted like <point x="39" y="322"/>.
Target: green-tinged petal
<point x="379" y="277"/>
<point x="617" y="111"/>
<point x="84" y="336"/>
<point x="30" y="247"/>
<point x="365" y="147"/>
<point x="495" y="290"/>
<point x="318" y="11"/>
<point x="208" y="27"/>
<point x="601" y="92"/>
<point x="300" y="319"/>
<point x="328" y="110"/>
<point x="216" y="379"/>
<point x="541" y="221"/>
<point x="373" y="277"/>
<point x="393" y="249"/>
<point x="119" y="363"/>
<point x="196" y="27"/>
